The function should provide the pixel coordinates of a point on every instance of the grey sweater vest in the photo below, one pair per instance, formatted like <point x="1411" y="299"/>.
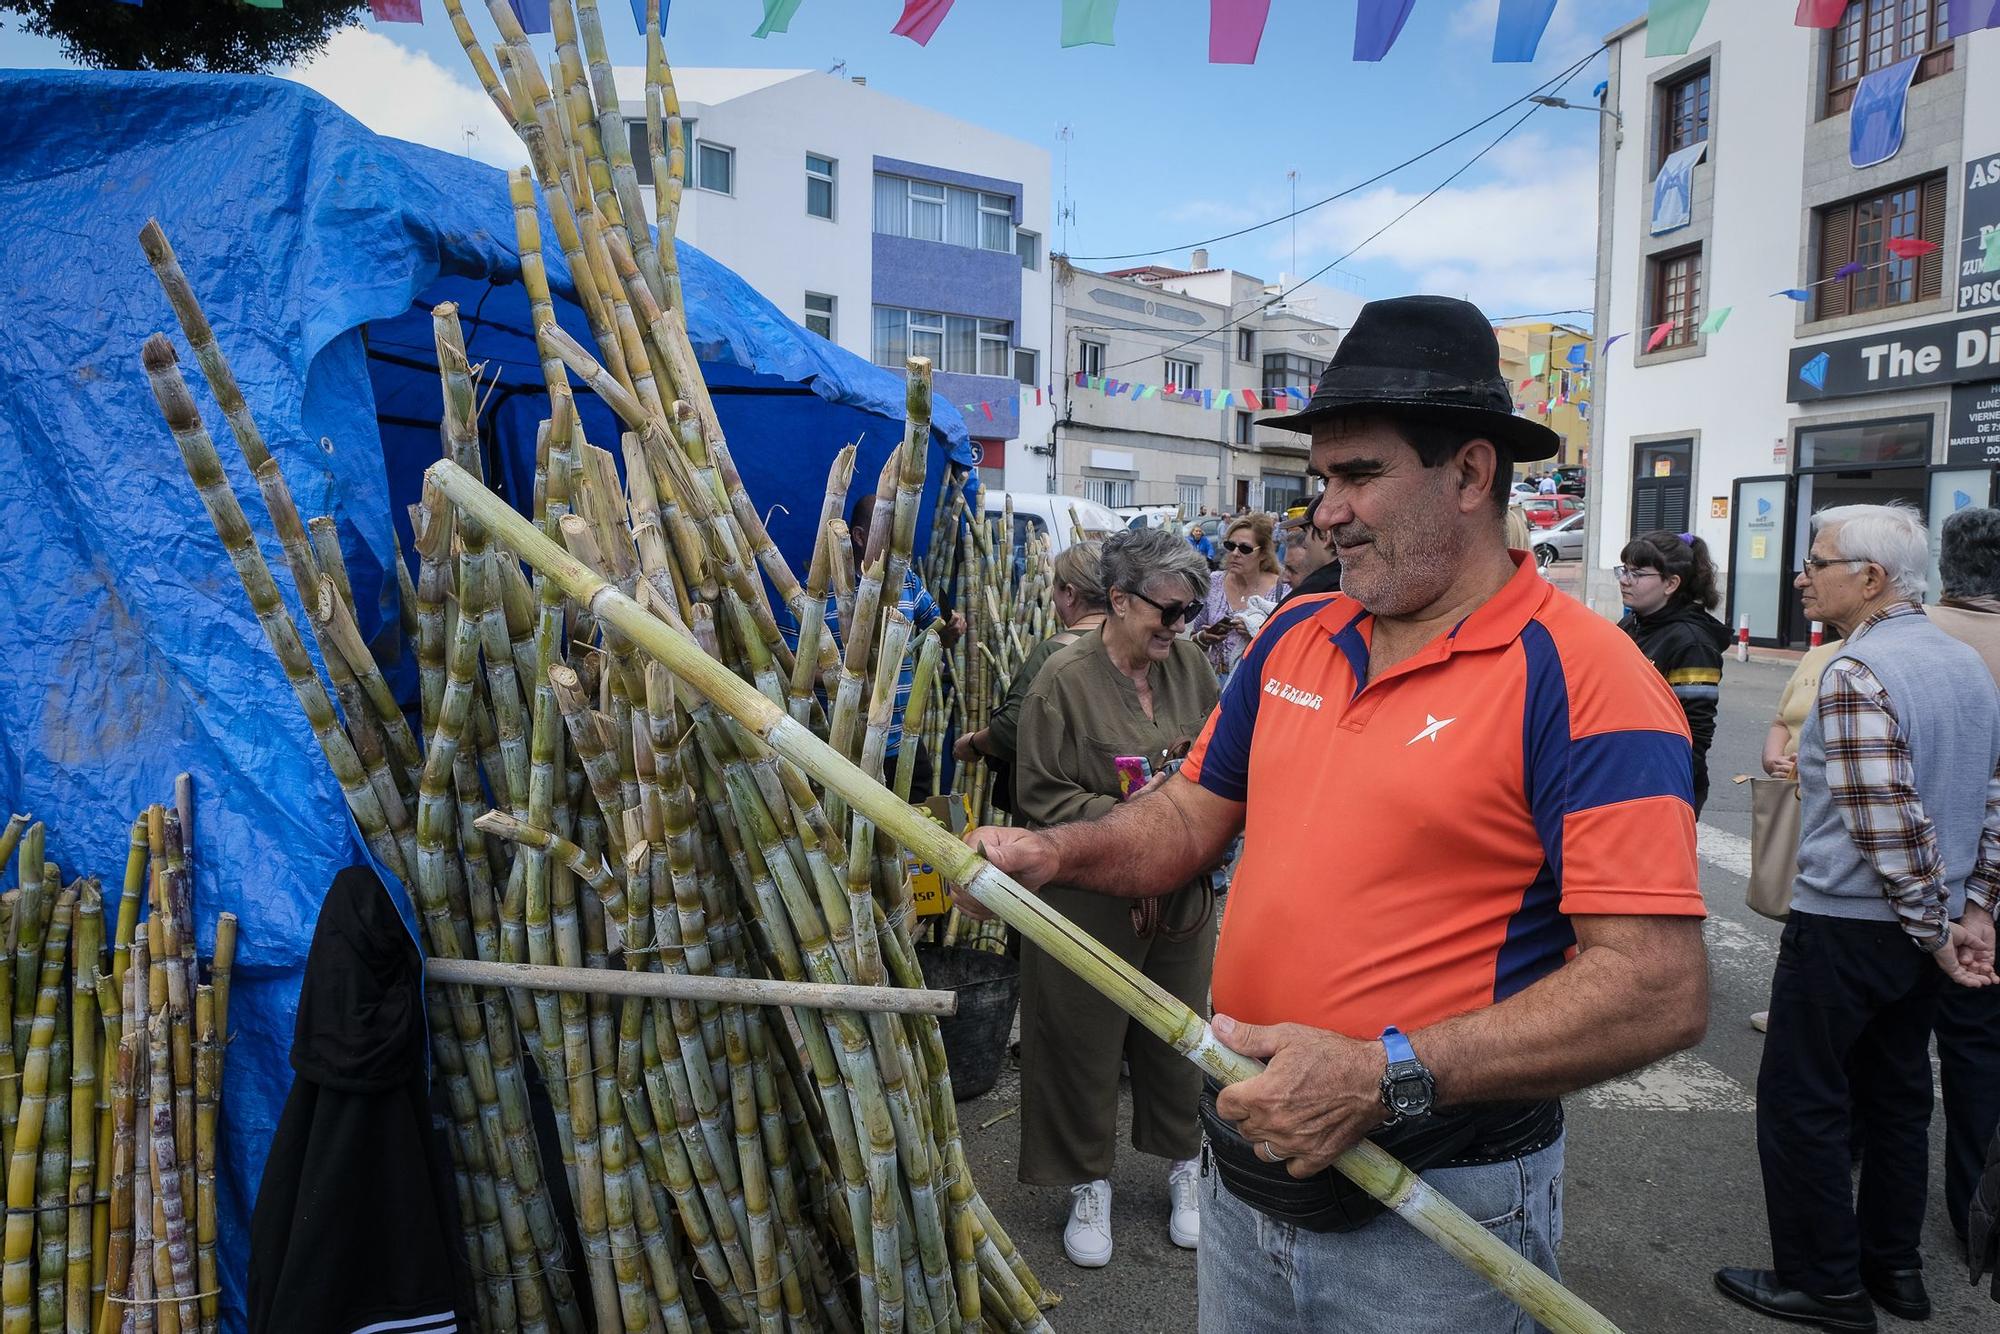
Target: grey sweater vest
<point x="1945" y="700"/>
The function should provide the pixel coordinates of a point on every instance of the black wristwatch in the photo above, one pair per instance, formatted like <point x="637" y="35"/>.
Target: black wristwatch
<point x="1408" y="1088"/>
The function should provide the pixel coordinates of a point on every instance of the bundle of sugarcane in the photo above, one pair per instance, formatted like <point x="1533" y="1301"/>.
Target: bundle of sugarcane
<point x="110" y="1085"/>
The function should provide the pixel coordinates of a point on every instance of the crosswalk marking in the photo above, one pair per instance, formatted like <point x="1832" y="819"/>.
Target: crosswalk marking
<point x="1681" y="1083"/>
<point x="1723" y="850"/>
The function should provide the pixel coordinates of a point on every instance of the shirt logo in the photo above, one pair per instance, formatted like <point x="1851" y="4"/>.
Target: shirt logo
<point x="1292" y="694"/>
<point x="1432" y="726"/>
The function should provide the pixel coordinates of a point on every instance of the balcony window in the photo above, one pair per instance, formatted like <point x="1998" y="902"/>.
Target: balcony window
<point x="1675" y="298"/>
<point x="1684" y="112"/>
<point x="1858" y="232"/>
<point x="716" y="168"/>
<point x="927" y="211"/>
<point x="819" y="186"/>
<point x="1875" y="34"/>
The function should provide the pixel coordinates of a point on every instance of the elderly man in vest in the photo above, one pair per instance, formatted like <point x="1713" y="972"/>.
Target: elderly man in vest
<point x="1899" y="868"/>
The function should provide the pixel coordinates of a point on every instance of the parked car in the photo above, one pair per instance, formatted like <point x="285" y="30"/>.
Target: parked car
<point x="1548" y="511"/>
<point x="1521" y="491"/>
<point x="1562" y="542"/>
<point x="1148" y="516"/>
<point x="1051" y="515"/>
<point x="1572" y="480"/>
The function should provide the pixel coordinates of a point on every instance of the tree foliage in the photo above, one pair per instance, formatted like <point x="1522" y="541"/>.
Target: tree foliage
<point x="219" y="36"/>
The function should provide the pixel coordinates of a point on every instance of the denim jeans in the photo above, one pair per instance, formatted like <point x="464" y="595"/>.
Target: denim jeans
<point x="1256" y="1274"/>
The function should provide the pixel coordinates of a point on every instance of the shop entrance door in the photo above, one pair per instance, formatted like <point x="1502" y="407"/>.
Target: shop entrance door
<point x="1760" y="558"/>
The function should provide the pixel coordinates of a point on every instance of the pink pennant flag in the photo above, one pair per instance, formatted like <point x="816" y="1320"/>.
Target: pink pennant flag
<point x="1819" y="13"/>
<point x="987" y="408"/>
<point x="1525" y="383"/>
<point x="1909" y="247"/>
<point x="397" y="11"/>
<point x="1659" y="335"/>
<point x="1250" y="401"/>
<point x="920" y="19"/>
<point x="1235" y="29"/>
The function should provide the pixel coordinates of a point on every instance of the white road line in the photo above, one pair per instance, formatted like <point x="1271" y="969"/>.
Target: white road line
<point x="1681" y="1083"/>
<point x="1723" y="850"/>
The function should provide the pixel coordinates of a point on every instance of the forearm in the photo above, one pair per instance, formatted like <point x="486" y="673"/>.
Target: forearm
<point x="1609" y="1010"/>
<point x="1149" y="845"/>
<point x="1776" y="738"/>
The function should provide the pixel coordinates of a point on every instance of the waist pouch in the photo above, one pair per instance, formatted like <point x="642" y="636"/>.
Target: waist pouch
<point x="1329" y="1202"/>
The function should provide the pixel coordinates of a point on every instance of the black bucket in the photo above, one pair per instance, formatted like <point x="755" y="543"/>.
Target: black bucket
<point x="975" y="1039"/>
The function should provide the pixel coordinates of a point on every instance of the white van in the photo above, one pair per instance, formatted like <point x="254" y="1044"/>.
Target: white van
<point x="1051" y="515"/>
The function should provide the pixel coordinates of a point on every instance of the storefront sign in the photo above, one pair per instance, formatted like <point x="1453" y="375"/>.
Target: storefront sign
<point x="1965" y="351"/>
<point x="1718" y="507"/>
<point x="1979" y="237"/>
<point x="1974" y="430"/>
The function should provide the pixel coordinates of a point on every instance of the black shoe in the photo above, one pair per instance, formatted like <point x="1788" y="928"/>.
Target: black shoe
<point x="1899" y="1292"/>
<point x="1763" y="1291"/>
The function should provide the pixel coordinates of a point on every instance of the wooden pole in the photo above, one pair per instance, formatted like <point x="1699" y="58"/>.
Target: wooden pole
<point x="689" y="986"/>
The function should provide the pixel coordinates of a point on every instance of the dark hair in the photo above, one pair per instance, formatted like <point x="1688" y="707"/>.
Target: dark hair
<point x="1437" y="443"/>
<point x="1680" y="556"/>
<point x="1969" y="554"/>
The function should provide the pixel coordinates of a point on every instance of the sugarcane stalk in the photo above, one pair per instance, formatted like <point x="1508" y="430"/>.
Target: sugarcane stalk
<point x="1162" y="1014"/>
<point x="17" y="1276"/>
<point x="691" y="987"/>
<point x="83" y="1104"/>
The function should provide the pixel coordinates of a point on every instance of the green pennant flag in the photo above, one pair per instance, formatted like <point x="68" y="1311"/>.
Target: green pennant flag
<point x="777" y="16"/>
<point x="266" y="4"/>
<point x="1671" y="24"/>
<point x="1088" y="22"/>
<point x="1989" y="250"/>
<point x="1716" y="319"/>
<point x="1537" y="363"/>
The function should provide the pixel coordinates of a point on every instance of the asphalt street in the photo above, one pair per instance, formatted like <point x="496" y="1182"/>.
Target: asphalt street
<point x="1662" y="1185"/>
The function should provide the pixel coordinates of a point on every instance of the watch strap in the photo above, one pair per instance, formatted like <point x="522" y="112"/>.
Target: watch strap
<point x="1397" y="1046"/>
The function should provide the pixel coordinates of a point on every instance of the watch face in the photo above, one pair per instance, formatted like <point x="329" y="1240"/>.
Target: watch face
<point x="1409" y="1096"/>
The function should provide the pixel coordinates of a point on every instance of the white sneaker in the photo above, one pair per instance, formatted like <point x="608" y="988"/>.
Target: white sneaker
<point x="1184" y="1215"/>
<point x="1087" y="1238"/>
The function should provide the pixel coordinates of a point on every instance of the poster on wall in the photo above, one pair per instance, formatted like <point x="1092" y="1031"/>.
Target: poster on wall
<point x="1973" y="432"/>
<point x="1979" y="236"/>
<point x="1673" y="189"/>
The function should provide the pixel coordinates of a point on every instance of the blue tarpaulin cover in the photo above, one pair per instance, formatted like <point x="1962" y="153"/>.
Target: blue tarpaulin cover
<point x="128" y="651"/>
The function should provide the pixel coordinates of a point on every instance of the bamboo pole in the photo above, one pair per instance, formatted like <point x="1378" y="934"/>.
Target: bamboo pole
<point x="1164" y="1015"/>
<point x="690" y="987"/>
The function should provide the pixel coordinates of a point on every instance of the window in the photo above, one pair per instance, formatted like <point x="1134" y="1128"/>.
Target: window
<point x="642" y="149"/>
<point x="958" y="344"/>
<point x="1111" y="492"/>
<point x="1246" y="345"/>
<point x="1282" y="491"/>
<point x="1089" y="357"/>
<point x="1027" y="365"/>
<point x="819" y="186"/>
<point x="927" y="211"/>
<point x="1675" y="298"/>
<point x="1243" y="422"/>
<point x="716" y="168"/>
<point x="1190" y="493"/>
<point x="1873" y="444"/>
<point x="819" y="315"/>
<point x="1874" y="34"/>
<point x="1028" y="245"/>
<point x="1289" y="368"/>
<point x="1857" y="232"/>
<point x="1183" y="375"/>
<point x="1684" y="112"/>
<point x="1662" y="481"/>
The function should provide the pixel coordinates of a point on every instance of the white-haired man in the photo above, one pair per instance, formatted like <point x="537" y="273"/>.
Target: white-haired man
<point x="1899" y="868"/>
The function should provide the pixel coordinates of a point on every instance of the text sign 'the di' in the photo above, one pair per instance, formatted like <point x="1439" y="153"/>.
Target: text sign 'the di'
<point x="1965" y="351"/>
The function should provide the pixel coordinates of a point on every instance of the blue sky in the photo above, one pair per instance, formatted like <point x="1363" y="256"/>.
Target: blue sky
<point x="1164" y="148"/>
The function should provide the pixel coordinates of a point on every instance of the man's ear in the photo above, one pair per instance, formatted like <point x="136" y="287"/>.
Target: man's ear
<point x="1479" y="467"/>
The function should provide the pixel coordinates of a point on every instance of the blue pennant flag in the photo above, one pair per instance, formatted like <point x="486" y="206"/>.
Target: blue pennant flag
<point x="1519" y="28"/>
<point x="533" y="14"/>
<point x="639" y="15"/>
<point x="1799" y="294"/>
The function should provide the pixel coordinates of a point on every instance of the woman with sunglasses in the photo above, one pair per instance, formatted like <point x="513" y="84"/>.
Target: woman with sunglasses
<point x="1106" y="714"/>
<point x="1241" y="594"/>
<point x="1668" y="583"/>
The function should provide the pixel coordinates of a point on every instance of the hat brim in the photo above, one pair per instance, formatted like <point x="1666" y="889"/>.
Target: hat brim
<point x="1525" y="441"/>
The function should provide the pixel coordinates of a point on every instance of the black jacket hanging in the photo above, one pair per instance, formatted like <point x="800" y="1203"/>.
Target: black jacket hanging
<point x="354" y="1221"/>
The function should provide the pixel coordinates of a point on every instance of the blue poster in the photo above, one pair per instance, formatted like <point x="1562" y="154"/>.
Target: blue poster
<point x="1875" y="123"/>
<point x="1673" y="189"/>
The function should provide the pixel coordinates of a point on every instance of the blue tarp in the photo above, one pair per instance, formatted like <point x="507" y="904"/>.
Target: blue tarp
<point x="128" y="652"/>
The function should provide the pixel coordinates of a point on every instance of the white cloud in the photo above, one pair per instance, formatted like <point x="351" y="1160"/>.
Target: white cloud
<point x="396" y="91"/>
<point x="1522" y="237"/>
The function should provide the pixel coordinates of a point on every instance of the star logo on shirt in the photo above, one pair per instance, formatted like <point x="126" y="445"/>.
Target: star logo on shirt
<point x="1432" y="726"/>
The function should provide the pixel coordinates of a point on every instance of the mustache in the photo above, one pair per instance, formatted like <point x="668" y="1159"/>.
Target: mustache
<point x="1351" y="534"/>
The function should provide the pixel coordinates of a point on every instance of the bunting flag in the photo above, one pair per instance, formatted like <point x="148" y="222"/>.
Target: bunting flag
<point x="1235" y="29"/>
<point x="639" y="15"/>
<point x="1519" y="30"/>
<point x="1909" y="247"/>
<point x="1659" y="335"/>
<point x="1608" y="342"/>
<point x="1671" y="25"/>
<point x="1848" y="270"/>
<point x="987" y="408"/>
<point x="777" y="15"/>
<point x="1377" y="24"/>
<point x="1965" y="16"/>
<point x="920" y="20"/>
<point x="1579" y="355"/>
<point x="1537" y="363"/>
<point x="533" y="14"/>
<point x="1819" y="13"/>
<point x="1989" y="250"/>
<point x="1716" y="319"/>
<point x="397" y="11"/>
<point x="266" y="4"/>
<point x="1795" y="293"/>
<point x="1525" y="383"/>
<point x="1088" y="22"/>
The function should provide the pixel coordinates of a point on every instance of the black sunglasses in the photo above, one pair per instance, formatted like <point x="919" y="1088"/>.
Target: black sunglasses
<point x="1241" y="548"/>
<point x="1171" y="613"/>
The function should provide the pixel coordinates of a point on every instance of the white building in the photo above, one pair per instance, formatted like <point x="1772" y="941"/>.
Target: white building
<point x="886" y="227"/>
<point x="1877" y="385"/>
<point x="1195" y="333"/>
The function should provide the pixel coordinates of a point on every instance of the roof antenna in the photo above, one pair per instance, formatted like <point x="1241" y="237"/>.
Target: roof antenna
<point x="838" y="67"/>
<point x="1066" y="210"/>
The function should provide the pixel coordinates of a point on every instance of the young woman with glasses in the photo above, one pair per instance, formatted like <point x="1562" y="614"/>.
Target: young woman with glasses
<point x="1668" y="583"/>
<point x="1240" y="594"/>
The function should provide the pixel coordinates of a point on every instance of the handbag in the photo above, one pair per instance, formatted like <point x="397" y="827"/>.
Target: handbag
<point x="1774" y="846"/>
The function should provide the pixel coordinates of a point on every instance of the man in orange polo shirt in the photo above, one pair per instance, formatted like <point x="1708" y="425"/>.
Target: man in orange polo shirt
<point x="1468" y="883"/>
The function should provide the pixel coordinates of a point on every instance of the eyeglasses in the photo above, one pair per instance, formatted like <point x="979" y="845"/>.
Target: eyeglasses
<point x="1171" y="613"/>
<point x="1633" y="573"/>
<point x="1814" y="564"/>
<point x="1241" y="548"/>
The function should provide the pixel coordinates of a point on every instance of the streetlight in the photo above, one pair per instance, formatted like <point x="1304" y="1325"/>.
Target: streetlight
<point x="1564" y="104"/>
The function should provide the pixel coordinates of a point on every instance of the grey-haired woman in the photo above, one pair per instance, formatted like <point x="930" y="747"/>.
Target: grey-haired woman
<point x="1117" y="704"/>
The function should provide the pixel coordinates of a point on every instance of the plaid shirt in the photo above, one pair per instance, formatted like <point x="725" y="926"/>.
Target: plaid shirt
<point x="921" y="609"/>
<point x="1873" y="782"/>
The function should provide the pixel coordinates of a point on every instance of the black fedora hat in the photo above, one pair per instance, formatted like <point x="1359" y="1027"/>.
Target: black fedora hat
<point x="1429" y="357"/>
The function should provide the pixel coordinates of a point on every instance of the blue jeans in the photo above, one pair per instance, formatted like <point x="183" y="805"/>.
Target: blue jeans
<point x="1256" y="1274"/>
